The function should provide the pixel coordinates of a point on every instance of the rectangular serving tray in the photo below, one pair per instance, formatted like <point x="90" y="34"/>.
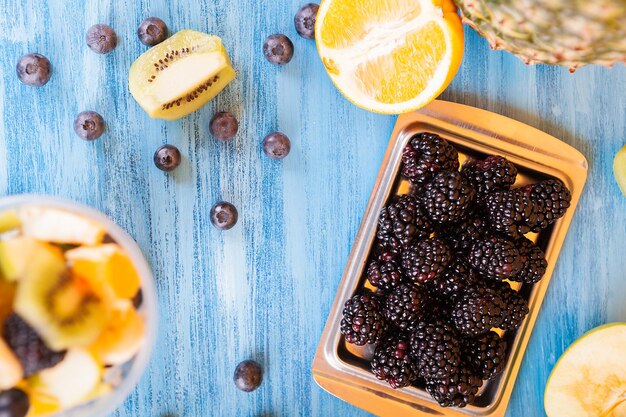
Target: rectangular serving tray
<point x="343" y="369"/>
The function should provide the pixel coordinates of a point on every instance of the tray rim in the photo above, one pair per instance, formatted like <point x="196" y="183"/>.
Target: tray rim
<point x="467" y="122"/>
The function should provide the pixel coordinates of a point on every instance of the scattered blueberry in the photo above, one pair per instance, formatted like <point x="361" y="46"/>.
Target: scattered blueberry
<point x="305" y="20"/>
<point x="278" y="49"/>
<point x="89" y="125"/>
<point x="152" y="31"/>
<point x="33" y="70"/>
<point x="276" y="145"/>
<point x="167" y="158"/>
<point x="248" y="376"/>
<point x="14" y="403"/>
<point x="223" y="126"/>
<point x="101" y="38"/>
<point x="224" y="215"/>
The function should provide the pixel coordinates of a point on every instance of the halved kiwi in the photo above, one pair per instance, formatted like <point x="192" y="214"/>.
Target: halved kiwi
<point x="179" y="75"/>
<point x="65" y="309"/>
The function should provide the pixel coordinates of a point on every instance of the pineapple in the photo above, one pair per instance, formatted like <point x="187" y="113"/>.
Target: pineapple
<point x="571" y="33"/>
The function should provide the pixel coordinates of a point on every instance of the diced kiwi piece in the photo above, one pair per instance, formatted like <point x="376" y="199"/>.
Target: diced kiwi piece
<point x="17" y="254"/>
<point x="66" y="310"/>
<point x="9" y="221"/>
<point x="179" y="75"/>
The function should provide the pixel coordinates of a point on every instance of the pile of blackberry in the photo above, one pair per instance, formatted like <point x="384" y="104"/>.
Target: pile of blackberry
<point x="442" y="267"/>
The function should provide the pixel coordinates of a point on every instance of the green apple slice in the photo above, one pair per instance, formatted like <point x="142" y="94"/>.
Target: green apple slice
<point x="619" y="169"/>
<point x="590" y="378"/>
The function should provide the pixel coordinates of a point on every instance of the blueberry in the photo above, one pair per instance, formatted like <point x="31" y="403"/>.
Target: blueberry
<point x="167" y="158"/>
<point x="276" y="145"/>
<point x="223" y="126"/>
<point x="278" y="49"/>
<point x="14" y="403"/>
<point x="33" y="70"/>
<point x="152" y="31"/>
<point x="101" y="38"/>
<point x="89" y="125"/>
<point x="224" y="215"/>
<point x="248" y="376"/>
<point x="305" y="20"/>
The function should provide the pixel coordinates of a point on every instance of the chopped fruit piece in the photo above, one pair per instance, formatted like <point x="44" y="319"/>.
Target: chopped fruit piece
<point x="9" y="221"/>
<point x="105" y="264"/>
<point x="179" y="75"/>
<point x="60" y="226"/>
<point x="65" y="309"/>
<point x="590" y="377"/>
<point x="152" y="31"/>
<point x="619" y="169"/>
<point x="73" y="380"/>
<point x="389" y="56"/>
<point x="41" y="404"/>
<point x="122" y="337"/>
<point x="7" y="294"/>
<point x="14" y="403"/>
<point x="33" y="70"/>
<point x="11" y="371"/>
<point x="101" y="38"/>
<point x="17" y="254"/>
<point x="89" y="125"/>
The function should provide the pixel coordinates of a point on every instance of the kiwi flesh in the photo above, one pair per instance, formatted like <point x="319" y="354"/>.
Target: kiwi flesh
<point x="179" y="75"/>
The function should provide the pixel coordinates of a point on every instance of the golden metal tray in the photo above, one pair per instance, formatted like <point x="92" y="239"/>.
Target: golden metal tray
<point x="343" y="369"/>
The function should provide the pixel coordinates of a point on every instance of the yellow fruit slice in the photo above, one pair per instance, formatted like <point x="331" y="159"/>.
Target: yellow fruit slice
<point x="106" y="264"/>
<point x="9" y="221"/>
<point x="179" y="75"/>
<point x="59" y="226"/>
<point x="619" y="169"/>
<point x="590" y="378"/>
<point x="16" y="256"/>
<point x="390" y="56"/>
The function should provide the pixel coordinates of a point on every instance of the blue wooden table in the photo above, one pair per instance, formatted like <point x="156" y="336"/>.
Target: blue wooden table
<point x="263" y="289"/>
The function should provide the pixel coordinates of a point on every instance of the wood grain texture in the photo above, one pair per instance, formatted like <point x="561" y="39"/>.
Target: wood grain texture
<point x="263" y="289"/>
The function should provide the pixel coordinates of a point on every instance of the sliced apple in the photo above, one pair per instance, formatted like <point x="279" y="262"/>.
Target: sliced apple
<point x="11" y="371"/>
<point x="60" y="226"/>
<point x="589" y="380"/>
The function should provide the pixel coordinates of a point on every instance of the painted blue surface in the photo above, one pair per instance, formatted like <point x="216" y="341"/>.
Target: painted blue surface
<point x="263" y="289"/>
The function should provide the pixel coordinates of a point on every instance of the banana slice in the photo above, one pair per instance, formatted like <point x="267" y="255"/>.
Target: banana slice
<point x="10" y="369"/>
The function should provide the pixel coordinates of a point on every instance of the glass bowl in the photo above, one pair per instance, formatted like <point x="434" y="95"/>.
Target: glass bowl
<point x="131" y="371"/>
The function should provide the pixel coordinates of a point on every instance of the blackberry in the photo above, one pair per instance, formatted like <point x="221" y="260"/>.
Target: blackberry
<point x="510" y="212"/>
<point x="551" y="199"/>
<point x="496" y="258"/>
<point x="436" y="349"/>
<point x="485" y="354"/>
<point x="447" y="197"/>
<point x="425" y="155"/>
<point x="456" y="277"/>
<point x="461" y="236"/>
<point x="30" y="350"/>
<point x="362" y="321"/>
<point x="406" y="306"/>
<point x="392" y="362"/>
<point x="426" y="260"/>
<point x="494" y="173"/>
<point x="401" y="222"/>
<point x="516" y="307"/>
<point x="457" y="390"/>
<point x="384" y="272"/>
<point x="535" y="263"/>
<point x="478" y="310"/>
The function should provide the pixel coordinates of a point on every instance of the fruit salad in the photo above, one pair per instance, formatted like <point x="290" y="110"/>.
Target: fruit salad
<point x="69" y="299"/>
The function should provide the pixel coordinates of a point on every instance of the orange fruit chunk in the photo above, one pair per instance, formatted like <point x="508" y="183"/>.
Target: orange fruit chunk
<point x="122" y="337"/>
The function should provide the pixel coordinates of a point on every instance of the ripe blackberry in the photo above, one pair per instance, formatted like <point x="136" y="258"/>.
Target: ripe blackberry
<point x="494" y="173"/>
<point x="425" y="155"/>
<point x="457" y="390"/>
<point x="401" y="222"/>
<point x="535" y="263"/>
<point x="510" y="212"/>
<point x="456" y="277"/>
<point x="496" y="258"/>
<point x="478" y="310"/>
<point x="392" y="362"/>
<point x="362" y="321"/>
<point x="436" y="349"/>
<point x="406" y="306"/>
<point x="30" y="350"/>
<point x="461" y="236"/>
<point x="384" y="273"/>
<point x="426" y="260"/>
<point x="447" y="197"/>
<point x="516" y="307"/>
<point x="551" y="199"/>
<point x="485" y="354"/>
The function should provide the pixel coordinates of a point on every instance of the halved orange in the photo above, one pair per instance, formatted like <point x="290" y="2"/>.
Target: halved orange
<point x="390" y="56"/>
